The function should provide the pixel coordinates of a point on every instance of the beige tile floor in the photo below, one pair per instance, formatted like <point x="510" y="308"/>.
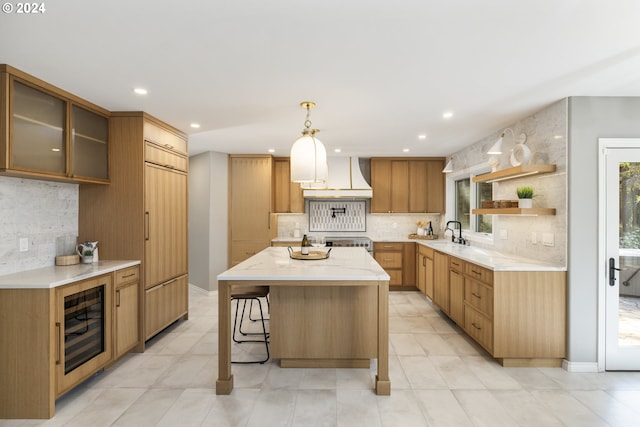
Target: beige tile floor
<point x="438" y="376"/>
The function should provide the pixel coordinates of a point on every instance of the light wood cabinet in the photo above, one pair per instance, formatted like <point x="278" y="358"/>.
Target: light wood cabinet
<point x="251" y="217"/>
<point x="143" y="214"/>
<point x="519" y="317"/>
<point x="127" y="287"/>
<point x="48" y="133"/>
<point x="441" y="281"/>
<point x="424" y="270"/>
<point x="36" y="365"/>
<point x="407" y="185"/>
<point x="399" y="261"/>
<point x="165" y="303"/>
<point x="288" y="195"/>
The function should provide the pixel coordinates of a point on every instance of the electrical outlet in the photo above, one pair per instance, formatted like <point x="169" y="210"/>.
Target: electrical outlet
<point x="534" y="238"/>
<point x="548" y="239"/>
<point x="503" y="234"/>
<point x="24" y="244"/>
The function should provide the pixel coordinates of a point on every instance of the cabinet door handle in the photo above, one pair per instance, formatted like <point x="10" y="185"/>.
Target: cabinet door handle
<point x="424" y="262"/>
<point x="475" y="325"/>
<point x="455" y="263"/>
<point x="128" y="275"/>
<point x="146" y="225"/>
<point x="118" y="298"/>
<point x="476" y="295"/>
<point x="477" y="273"/>
<point x="58" y="341"/>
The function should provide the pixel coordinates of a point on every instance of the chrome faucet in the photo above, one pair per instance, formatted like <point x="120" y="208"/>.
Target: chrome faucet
<point x="460" y="239"/>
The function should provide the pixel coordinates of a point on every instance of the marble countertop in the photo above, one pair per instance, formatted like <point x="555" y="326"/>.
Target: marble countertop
<point x="274" y="263"/>
<point x="58" y="275"/>
<point x="488" y="258"/>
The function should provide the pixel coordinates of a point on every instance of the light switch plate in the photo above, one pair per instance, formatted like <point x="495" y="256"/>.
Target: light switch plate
<point x="24" y="244"/>
<point x="548" y="239"/>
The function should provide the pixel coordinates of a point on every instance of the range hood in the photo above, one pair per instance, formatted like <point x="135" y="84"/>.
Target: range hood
<point x="345" y="181"/>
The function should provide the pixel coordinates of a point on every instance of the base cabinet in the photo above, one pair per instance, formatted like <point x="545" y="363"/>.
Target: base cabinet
<point x="165" y="303"/>
<point x="519" y="317"/>
<point x="399" y="261"/>
<point x="52" y="339"/>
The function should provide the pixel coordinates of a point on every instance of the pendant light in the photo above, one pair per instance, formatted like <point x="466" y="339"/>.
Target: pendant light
<point x="308" y="156"/>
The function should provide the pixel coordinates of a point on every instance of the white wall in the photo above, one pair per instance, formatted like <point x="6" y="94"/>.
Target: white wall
<point x="590" y="118"/>
<point x="208" y="195"/>
<point x="41" y="211"/>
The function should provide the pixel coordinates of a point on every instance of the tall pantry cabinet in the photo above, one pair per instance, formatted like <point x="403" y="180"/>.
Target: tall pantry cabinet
<point x="143" y="214"/>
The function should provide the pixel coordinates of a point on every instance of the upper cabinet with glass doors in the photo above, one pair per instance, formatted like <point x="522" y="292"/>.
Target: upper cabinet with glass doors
<point x="48" y="133"/>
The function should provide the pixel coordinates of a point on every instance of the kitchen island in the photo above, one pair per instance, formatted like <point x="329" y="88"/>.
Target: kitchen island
<point x="332" y="312"/>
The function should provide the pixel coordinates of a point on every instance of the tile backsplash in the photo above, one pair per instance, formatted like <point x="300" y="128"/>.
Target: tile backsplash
<point x="43" y="212"/>
<point x="337" y="215"/>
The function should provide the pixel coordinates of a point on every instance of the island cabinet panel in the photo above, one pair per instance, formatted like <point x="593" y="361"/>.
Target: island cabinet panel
<point x="251" y="215"/>
<point x="142" y="215"/>
<point x="50" y="134"/>
<point x="324" y="323"/>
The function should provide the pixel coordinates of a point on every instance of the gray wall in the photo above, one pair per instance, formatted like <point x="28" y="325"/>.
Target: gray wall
<point x="590" y="118"/>
<point x="208" y="195"/>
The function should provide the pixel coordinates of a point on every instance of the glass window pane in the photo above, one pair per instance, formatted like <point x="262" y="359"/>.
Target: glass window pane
<point x="463" y="194"/>
<point x="484" y="191"/>
<point x="38" y="130"/>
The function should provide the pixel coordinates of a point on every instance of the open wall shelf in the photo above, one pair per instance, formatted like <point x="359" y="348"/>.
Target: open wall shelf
<point x="515" y="211"/>
<point x="515" y="172"/>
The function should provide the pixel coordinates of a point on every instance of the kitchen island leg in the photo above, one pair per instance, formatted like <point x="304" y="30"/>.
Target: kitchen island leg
<point x="224" y="384"/>
<point x="383" y="384"/>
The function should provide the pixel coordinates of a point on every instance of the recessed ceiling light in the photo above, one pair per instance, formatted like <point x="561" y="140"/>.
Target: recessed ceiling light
<point x="195" y="125"/>
<point x="337" y="150"/>
<point x="447" y="115"/>
<point x="140" y="91"/>
<point x="271" y="150"/>
<point x="405" y="150"/>
<point x="422" y="136"/>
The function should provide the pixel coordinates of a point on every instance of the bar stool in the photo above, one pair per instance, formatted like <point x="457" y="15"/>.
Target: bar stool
<point x="251" y="294"/>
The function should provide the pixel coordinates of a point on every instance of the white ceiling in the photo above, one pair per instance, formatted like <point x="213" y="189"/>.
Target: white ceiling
<point x="381" y="72"/>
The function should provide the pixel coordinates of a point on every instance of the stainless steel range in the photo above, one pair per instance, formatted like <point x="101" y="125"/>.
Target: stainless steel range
<point x="354" y="241"/>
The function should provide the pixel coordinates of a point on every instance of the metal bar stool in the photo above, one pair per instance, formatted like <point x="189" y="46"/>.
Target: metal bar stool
<point x="250" y="294"/>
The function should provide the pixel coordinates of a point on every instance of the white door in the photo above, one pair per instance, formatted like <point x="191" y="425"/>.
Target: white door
<point x="621" y="263"/>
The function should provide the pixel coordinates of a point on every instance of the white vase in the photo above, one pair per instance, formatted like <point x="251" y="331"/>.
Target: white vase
<point x="525" y="203"/>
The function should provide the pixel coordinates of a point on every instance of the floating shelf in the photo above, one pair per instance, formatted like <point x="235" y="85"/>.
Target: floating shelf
<point x="515" y="172"/>
<point x="515" y="211"/>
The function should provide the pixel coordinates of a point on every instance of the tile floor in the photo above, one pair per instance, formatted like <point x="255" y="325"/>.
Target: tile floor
<point x="438" y="376"/>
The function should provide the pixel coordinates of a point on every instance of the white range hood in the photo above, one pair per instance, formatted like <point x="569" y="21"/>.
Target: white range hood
<point x="345" y="181"/>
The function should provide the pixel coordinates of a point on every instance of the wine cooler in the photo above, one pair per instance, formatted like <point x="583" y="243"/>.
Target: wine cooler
<point x="84" y="330"/>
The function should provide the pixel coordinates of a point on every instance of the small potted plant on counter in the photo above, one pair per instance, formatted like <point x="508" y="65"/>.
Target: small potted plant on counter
<point x="525" y="196"/>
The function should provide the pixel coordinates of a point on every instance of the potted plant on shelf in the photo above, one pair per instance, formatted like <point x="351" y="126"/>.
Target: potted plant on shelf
<point x="525" y="196"/>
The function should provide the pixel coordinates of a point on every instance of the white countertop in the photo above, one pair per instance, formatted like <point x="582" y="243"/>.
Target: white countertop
<point x="59" y="275"/>
<point x="274" y="263"/>
<point x="488" y="258"/>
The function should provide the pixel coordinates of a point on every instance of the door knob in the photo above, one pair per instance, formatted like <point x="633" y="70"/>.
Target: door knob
<point x="612" y="271"/>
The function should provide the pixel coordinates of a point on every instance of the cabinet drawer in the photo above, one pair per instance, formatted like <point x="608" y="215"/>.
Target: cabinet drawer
<point x="127" y="275"/>
<point x="456" y="264"/>
<point x="389" y="259"/>
<point x="483" y="274"/>
<point x="387" y="246"/>
<point x="479" y="328"/>
<point x="156" y="155"/>
<point x="164" y="138"/>
<point x="479" y="296"/>
<point x="395" y="277"/>
<point x="425" y="251"/>
<point x="164" y="304"/>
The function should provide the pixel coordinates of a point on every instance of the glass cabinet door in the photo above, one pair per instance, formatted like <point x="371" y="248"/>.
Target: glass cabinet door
<point x="38" y="131"/>
<point x="89" y="136"/>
